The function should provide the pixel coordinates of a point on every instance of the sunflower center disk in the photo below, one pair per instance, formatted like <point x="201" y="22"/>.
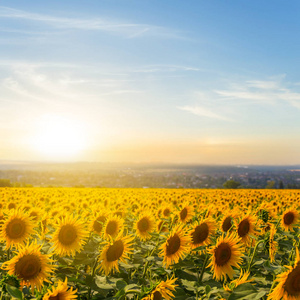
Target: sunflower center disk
<point x="28" y="267"/>
<point x="16" y="229"/>
<point x="292" y="284"/>
<point x="67" y="235"/>
<point x="111" y="228"/>
<point x="288" y="218"/>
<point x="183" y="214"/>
<point x="200" y="234"/>
<point x="222" y="254"/>
<point x="244" y="228"/>
<point x="98" y="224"/>
<point x="173" y="244"/>
<point x="166" y="212"/>
<point x="143" y="225"/>
<point x="54" y="297"/>
<point x="227" y="224"/>
<point x="157" y="295"/>
<point x="115" y="251"/>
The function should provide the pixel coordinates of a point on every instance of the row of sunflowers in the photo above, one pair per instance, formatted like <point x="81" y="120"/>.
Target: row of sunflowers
<point x="150" y="244"/>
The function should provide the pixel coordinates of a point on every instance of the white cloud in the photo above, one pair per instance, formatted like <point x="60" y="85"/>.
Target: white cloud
<point x="129" y="30"/>
<point x="222" y="104"/>
<point x="268" y="92"/>
<point x="203" y="112"/>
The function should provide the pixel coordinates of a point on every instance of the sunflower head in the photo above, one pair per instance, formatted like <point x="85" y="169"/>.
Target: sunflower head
<point x="97" y="223"/>
<point x="113" y="226"/>
<point x="201" y="233"/>
<point x="61" y="292"/>
<point x="69" y="236"/>
<point x="162" y="226"/>
<point x="235" y="283"/>
<point x="30" y="266"/>
<point x="144" y="226"/>
<point x="163" y="290"/>
<point x="175" y="247"/>
<point x="114" y="252"/>
<point x="246" y="228"/>
<point x="225" y="255"/>
<point x="289" y="219"/>
<point x="227" y="221"/>
<point x="186" y="213"/>
<point x="16" y="229"/>
<point x="288" y="283"/>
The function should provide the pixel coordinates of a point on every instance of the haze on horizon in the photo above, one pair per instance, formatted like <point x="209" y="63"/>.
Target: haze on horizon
<point x="203" y="82"/>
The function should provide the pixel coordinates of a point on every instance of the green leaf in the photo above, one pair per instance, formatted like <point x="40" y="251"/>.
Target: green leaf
<point x="188" y="284"/>
<point x="121" y="284"/>
<point x="207" y="289"/>
<point x="132" y="287"/>
<point x="246" y="291"/>
<point x="14" y="292"/>
<point x="180" y="294"/>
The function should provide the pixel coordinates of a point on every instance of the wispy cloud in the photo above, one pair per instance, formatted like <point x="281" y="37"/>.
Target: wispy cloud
<point x="222" y="104"/>
<point x="127" y="29"/>
<point x="165" y="69"/>
<point x="203" y="112"/>
<point x="60" y="84"/>
<point x="264" y="92"/>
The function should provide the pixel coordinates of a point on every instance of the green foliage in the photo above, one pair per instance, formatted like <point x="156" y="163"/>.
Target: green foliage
<point x="231" y="184"/>
<point x="5" y="183"/>
<point x="270" y="185"/>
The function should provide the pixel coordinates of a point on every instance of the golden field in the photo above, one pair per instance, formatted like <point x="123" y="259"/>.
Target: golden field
<point x="68" y="243"/>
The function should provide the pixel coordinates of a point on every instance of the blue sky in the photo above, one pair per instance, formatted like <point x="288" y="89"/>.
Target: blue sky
<point x="143" y="81"/>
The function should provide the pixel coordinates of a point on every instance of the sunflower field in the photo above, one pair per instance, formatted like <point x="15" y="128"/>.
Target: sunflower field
<point x="150" y="244"/>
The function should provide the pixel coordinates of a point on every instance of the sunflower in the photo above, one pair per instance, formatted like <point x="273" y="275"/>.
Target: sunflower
<point x="289" y="219"/>
<point x="200" y="234"/>
<point x="144" y="225"/>
<point x="30" y="266"/>
<point x="228" y="221"/>
<point x="186" y="213"/>
<point x="163" y="290"/>
<point x="245" y="228"/>
<point x="69" y="236"/>
<point x="288" y="287"/>
<point x="97" y="222"/>
<point x="235" y="283"/>
<point x="162" y="226"/>
<point x="225" y="255"/>
<point x="166" y="211"/>
<point x="61" y="292"/>
<point x="35" y="213"/>
<point x="16" y="229"/>
<point x="113" y="226"/>
<point x="175" y="247"/>
<point x="113" y="252"/>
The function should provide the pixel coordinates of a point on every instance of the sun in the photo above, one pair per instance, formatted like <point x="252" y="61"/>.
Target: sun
<point x="58" y="137"/>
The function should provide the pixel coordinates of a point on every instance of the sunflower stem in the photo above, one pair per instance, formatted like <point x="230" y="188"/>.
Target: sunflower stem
<point x="93" y="275"/>
<point x="145" y="269"/>
<point x="203" y="268"/>
<point x="277" y="224"/>
<point x="150" y="254"/>
<point x="253" y="254"/>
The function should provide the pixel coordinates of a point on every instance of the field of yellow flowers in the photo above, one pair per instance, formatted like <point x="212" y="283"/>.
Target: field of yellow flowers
<point x="68" y="243"/>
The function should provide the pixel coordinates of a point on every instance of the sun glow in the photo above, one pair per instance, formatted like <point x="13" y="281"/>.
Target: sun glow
<point x="59" y="137"/>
